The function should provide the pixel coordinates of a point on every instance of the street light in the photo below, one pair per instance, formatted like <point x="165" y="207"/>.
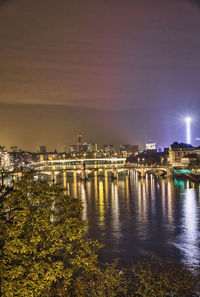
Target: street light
<point x="188" y="133"/>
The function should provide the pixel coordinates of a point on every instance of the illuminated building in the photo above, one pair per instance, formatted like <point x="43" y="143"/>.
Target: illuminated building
<point x="127" y="149"/>
<point x="94" y="147"/>
<point x="108" y="150"/>
<point x="5" y="160"/>
<point x="87" y="147"/>
<point x="151" y="146"/>
<point x="43" y="149"/>
<point x="72" y="148"/>
<point x="179" y="151"/>
<point x="187" y="159"/>
<point x="79" y="136"/>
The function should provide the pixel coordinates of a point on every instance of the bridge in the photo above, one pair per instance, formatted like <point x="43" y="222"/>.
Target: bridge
<point x="84" y="167"/>
<point x="163" y="170"/>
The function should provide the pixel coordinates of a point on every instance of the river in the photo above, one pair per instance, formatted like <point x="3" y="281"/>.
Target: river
<point x="135" y="217"/>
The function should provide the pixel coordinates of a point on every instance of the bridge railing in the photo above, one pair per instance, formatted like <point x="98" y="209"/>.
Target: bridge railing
<point x="79" y="167"/>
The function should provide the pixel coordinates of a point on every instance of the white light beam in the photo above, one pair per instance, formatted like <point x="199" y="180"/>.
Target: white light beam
<point x="188" y="132"/>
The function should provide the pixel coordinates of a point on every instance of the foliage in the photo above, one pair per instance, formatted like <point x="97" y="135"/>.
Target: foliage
<point x="149" y="158"/>
<point x="155" y="278"/>
<point x="43" y="246"/>
<point x="103" y="281"/>
<point x="150" y="278"/>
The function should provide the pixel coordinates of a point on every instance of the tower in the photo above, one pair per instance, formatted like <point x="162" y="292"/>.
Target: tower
<point x="79" y="136"/>
<point x="188" y="132"/>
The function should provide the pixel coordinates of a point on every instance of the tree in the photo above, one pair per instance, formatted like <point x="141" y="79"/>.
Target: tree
<point x="104" y="281"/>
<point x="156" y="278"/>
<point x="44" y="250"/>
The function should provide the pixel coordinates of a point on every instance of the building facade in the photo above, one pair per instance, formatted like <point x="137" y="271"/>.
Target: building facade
<point x="179" y="152"/>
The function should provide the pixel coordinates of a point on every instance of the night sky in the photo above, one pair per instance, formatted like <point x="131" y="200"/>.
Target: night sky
<point x="118" y="71"/>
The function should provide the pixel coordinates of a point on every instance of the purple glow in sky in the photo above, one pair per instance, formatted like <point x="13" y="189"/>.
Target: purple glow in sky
<point x="117" y="71"/>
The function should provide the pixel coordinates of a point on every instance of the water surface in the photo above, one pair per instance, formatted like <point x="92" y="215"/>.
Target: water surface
<point x="135" y="217"/>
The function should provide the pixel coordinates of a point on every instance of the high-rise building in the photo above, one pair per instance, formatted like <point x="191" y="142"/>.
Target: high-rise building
<point x="43" y="149"/>
<point x="108" y="149"/>
<point x="94" y="147"/>
<point x="72" y="148"/>
<point x="5" y="160"/>
<point x="79" y="136"/>
<point x="128" y="149"/>
<point x="151" y="146"/>
<point x="85" y="147"/>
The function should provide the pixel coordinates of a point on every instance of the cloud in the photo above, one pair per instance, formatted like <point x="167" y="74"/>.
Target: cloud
<point x="195" y="1"/>
<point x="4" y="1"/>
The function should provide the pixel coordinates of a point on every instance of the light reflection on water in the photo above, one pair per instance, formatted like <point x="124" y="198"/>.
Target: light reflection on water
<point x="134" y="217"/>
<point x="189" y="238"/>
<point x="115" y="210"/>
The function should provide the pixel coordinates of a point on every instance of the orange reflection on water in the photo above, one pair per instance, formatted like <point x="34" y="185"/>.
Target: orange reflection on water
<point x="101" y="204"/>
<point x="65" y="182"/>
<point x="127" y="193"/>
<point x="106" y="186"/>
<point x="74" y="184"/>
